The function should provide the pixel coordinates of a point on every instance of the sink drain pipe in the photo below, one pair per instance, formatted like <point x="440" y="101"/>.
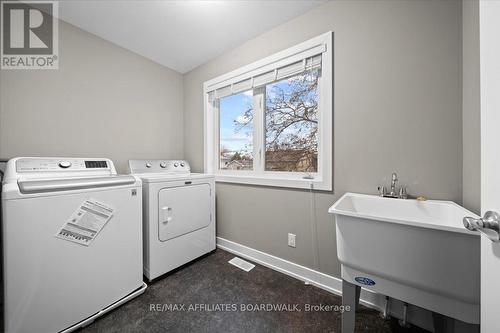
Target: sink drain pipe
<point x="404" y="321"/>
<point x="385" y="312"/>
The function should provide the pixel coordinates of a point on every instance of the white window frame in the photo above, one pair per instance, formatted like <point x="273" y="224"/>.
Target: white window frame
<point x="323" y="179"/>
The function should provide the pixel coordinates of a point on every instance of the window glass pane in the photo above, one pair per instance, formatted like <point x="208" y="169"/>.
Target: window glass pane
<point x="291" y="118"/>
<point x="236" y="131"/>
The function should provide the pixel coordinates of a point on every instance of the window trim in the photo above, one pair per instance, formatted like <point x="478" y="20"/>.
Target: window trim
<point x="323" y="178"/>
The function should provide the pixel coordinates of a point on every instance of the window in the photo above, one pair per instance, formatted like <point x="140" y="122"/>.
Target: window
<point x="270" y="123"/>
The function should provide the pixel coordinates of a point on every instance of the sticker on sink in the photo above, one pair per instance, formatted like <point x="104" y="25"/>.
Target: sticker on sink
<point x="364" y="280"/>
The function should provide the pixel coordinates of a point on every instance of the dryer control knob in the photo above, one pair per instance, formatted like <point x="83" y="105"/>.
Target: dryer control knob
<point x="182" y="164"/>
<point x="176" y="164"/>
<point x="148" y="165"/>
<point x="163" y="164"/>
<point x="64" y="164"/>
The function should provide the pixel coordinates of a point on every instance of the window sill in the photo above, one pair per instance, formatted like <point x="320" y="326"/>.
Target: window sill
<point x="297" y="183"/>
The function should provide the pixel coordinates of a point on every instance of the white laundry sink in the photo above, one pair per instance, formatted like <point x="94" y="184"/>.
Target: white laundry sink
<point x="415" y="251"/>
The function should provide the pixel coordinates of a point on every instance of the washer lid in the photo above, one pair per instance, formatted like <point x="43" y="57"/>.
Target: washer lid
<point x="70" y="184"/>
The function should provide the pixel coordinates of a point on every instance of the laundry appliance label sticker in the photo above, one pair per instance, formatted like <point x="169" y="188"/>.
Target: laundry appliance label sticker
<point x="86" y="222"/>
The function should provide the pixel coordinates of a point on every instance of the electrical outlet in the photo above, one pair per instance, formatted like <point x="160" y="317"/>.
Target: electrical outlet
<point x="291" y="240"/>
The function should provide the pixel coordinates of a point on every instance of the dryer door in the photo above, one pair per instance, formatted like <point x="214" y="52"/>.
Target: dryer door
<point x="182" y="210"/>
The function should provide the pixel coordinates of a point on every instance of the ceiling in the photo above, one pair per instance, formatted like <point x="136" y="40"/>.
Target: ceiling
<point x="180" y="34"/>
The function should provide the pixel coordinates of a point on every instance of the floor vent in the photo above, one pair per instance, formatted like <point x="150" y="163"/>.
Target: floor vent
<point x="240" y="263"/>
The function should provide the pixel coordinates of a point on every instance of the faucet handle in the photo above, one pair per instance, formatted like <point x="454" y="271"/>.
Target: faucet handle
<point x="402" y="193"/>
<point x="382" y="191"/>
<point x="394" y="177"/>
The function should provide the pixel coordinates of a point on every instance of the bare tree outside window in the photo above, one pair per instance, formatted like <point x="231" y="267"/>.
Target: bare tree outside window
<point x="291" y="123"/>
<point x="291" y="117"/>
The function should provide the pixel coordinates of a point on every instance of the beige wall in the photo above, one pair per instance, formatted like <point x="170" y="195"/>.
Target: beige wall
<point x="104" y="101"/>
<point x="471" y="96"/>
<point x="398" y="107"/>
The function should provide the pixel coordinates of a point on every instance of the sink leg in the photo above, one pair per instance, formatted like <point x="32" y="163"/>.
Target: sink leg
<point x="442" y="323"/>
<point x="350" y="297"/>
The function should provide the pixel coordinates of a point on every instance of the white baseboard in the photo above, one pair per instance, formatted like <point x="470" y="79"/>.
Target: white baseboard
<point x="308" y="275"/>
<point x="318" y="279"/>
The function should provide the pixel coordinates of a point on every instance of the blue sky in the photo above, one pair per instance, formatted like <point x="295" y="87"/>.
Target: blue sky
<point x="233" y="108"/>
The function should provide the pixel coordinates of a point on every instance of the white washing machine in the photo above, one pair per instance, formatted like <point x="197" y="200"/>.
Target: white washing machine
<point x="178" y="214"/>
<point x="72" y="245"/>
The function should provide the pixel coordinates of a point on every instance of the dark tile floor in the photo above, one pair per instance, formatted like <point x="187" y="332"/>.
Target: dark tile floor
<point x="211" y="281"/>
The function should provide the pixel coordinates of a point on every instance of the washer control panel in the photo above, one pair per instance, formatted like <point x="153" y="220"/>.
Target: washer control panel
<point x="158" y="166"/>
<point x="61" y="165"/>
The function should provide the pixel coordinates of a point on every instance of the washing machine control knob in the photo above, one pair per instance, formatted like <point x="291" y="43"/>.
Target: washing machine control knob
<point x="163" y="164"/>
<point x="182" y="164"/>
<point x="148" y="165"/>
<point x="64" y="164"/>
<point x="176" y="164"/>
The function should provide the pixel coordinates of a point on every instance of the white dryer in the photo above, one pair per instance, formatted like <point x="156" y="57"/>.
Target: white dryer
<point x="72" y="247"/>
<point x="178" y="214"/>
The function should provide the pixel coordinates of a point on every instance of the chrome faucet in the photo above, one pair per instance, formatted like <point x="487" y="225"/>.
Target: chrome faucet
<point x="393" y="184"/>
<point x="401" y="194"/>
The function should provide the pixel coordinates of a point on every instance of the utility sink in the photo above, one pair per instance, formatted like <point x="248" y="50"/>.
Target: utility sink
<point x="415" y="251"/>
